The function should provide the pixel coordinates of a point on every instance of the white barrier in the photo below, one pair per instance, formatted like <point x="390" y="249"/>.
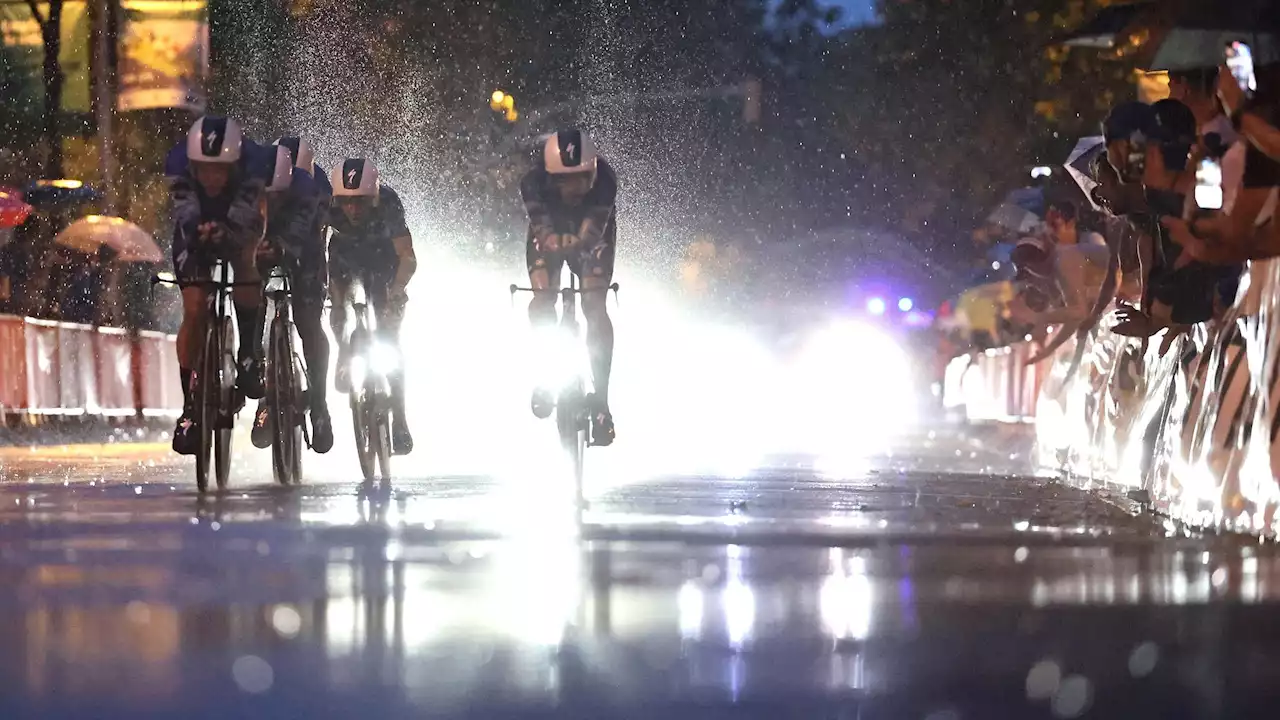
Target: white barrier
<point x="1196" y="428"/>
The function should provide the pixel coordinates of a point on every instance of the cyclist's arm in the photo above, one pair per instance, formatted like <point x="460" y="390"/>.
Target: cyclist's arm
<point x="247" y="216"/>
<point x="599" y="205"/>
<point x="541" y="224"/>
<point x="401" y="238"/>
<point x="408" y="264"/>
<point x="595" y="221"/>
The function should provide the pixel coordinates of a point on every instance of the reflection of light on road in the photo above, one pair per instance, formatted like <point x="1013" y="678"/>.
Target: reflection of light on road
<point x="739" y="601"/>
<point x="845" y="599"/>
<point x="534" y="588"/>
<point x="690" y="604"/>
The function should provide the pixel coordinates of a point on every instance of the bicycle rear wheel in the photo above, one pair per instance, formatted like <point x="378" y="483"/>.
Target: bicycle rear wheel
<point x="571" y="421"/>
<point x="285" y="446"/>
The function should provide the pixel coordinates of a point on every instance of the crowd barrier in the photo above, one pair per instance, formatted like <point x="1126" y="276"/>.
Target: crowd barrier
<point x="56" y="368"/>
<point x="1193" y="430"/>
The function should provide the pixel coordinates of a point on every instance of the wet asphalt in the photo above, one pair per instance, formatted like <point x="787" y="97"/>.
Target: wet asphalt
<point x="932" y="576"/>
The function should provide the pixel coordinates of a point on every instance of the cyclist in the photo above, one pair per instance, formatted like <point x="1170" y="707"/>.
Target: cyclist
<point x="370" y="242"/>
<point x="297" y="207"/>
<point x="570" y="201"/>
<point x="218" y="205"/>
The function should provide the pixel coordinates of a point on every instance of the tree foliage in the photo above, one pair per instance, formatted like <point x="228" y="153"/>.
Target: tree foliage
<point x="947" y="104"/>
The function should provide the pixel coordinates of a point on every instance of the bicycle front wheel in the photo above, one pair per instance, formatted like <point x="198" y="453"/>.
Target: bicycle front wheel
<point x="206" y="397"/>
<point x="227" y="404"/>
<point x="282" y="396"/>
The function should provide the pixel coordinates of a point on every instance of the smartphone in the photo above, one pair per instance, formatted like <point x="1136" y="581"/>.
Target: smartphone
<point x="1209" y="185"/>
<point x="1239" y="58"/>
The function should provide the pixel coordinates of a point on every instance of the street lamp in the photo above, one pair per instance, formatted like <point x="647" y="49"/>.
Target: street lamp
<point x="497" y="99"/>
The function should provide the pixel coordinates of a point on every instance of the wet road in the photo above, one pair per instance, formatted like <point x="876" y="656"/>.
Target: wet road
<point x="926" y="579"/>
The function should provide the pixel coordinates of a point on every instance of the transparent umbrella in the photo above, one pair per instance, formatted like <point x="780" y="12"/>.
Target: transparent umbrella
<point x="130" y="242"/>
<point x="1079" y="164"/>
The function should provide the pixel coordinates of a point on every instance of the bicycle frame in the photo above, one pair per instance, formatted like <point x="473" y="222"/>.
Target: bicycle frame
<point x="573" y="420"/>
<point x="215" y="393"/>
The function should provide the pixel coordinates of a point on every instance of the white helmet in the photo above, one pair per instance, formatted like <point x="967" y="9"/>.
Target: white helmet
<point x="282" y="172"/>
<point x="355" y="177"/>
<point x="301" y="152"/>
<point x="214" y="139"/>
<point x="567" y="152"/>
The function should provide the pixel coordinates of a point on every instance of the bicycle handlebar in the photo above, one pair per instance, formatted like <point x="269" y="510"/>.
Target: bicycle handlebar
<point x="562" y="291"/>
<point x="178" y="282"/>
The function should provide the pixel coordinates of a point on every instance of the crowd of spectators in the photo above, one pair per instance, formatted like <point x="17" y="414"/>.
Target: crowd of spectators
<point x="1185" y="197"/>
<point x="41" y="278"/>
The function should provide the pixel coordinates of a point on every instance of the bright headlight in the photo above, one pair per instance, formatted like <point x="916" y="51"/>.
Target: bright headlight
<point x="559" y="357"/>
<point x="383" y="358"/>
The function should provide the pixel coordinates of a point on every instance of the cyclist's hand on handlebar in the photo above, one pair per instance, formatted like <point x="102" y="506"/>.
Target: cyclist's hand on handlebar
<point x="397" y="297"/>
<point x="265" y="252"/>
<point x="214" y="232"/>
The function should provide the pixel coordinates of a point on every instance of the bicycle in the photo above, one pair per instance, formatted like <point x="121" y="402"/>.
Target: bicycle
<point x="284" y="370"/>
<point x="573" y="411"/>
<point x="370" y="398"/>
<point x="215" y="391"/>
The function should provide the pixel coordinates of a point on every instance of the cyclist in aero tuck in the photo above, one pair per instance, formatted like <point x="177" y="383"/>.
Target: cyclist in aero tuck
<point x="570" y="198"/>
<point x="217" y="183"/>
<point x="370" y="242"/>
<point x="296" y="208"/>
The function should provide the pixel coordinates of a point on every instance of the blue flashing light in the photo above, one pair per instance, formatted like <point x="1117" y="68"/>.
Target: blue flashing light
<point x="905" y="304"/>
<point x="875" y="306"/>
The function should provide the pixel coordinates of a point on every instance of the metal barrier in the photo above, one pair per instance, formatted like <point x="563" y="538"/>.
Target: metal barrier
<point x="1195" y="430"/>
<point x="55" y="368"/>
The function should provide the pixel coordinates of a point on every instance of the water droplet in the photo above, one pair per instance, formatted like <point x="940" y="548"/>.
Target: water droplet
<point x="253" y="674"/>
<point x="1043" y="680"/>
<point x="1143" y="659"/>
<point x="286" y="621"/>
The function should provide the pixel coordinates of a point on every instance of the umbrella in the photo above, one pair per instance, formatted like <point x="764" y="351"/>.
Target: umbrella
<point x="1079" y="164"/>
<point x="13" y="212"/>
<point x="55" y="192"/>
<point x="132" y="243"/>
<point x="1020" y="211"/>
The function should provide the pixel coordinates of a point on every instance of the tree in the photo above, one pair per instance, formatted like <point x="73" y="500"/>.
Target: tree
<point x="50" y="23"/>
<point x="947" y="104"/>
<point x="18" y="111"/>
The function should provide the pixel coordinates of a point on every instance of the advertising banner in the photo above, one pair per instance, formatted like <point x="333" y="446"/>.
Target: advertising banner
<point x="163" y="54"/>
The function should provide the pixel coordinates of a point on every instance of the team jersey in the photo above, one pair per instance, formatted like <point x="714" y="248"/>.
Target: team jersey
<point x="593" y="221"/>
<point x="296" y="221"/>
<point x="238" y="207"/>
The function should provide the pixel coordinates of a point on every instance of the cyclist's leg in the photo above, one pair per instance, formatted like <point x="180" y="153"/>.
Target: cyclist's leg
<point x="308" y="306"/>
<point x="249" y="319"/>
<point x="340" y="275"/>
<point x="544" y="268"/>
<point x="594" y="267"/>
<point x="544" y="273"/>
<point x="190" y="346"/>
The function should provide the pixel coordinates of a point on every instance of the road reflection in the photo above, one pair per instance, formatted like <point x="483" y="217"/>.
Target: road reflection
<point x="547" y="619"/>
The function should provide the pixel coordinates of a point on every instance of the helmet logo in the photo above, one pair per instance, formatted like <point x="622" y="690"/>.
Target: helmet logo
<point x="211" y="142"/>
<point x="572" y="150"/>
<point x="352" y="173"/>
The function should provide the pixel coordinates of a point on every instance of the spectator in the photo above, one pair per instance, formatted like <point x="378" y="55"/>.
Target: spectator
<point x="1061" y="221"/>
<point x="1249" y="193"/>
